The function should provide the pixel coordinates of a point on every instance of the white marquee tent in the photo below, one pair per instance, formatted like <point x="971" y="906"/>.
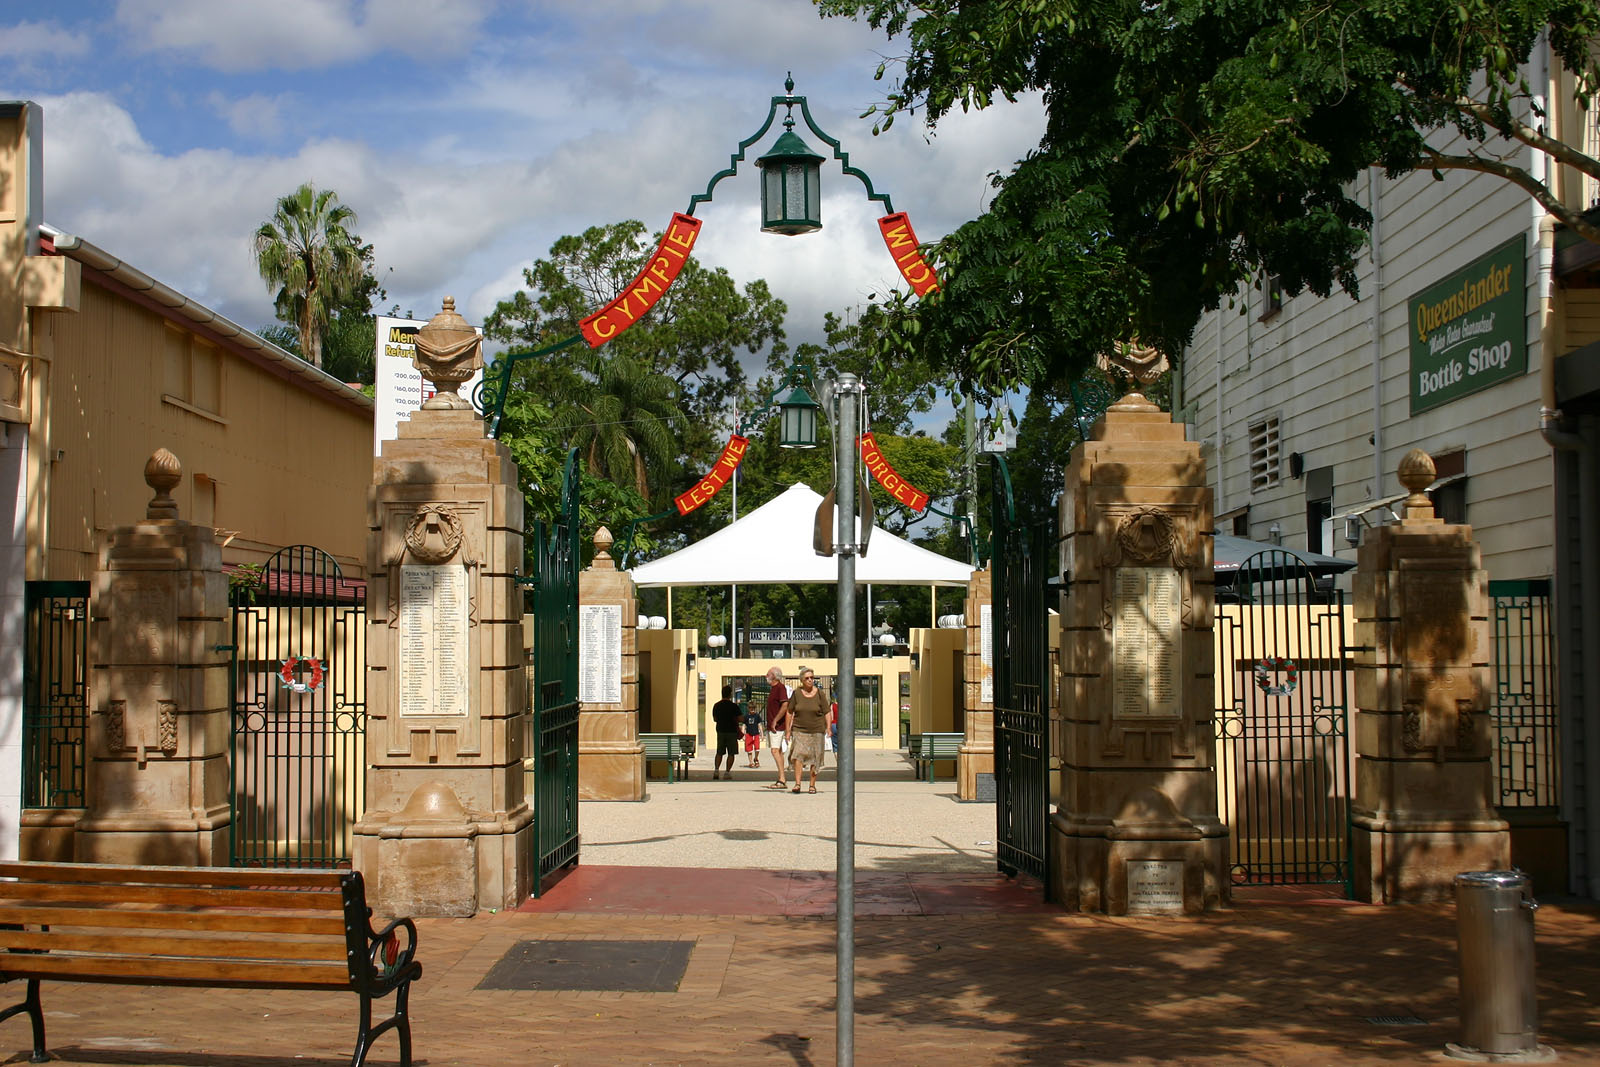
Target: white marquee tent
<point x="773" y="544"/>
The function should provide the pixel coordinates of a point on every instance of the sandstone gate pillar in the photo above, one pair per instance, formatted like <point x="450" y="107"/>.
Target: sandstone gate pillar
<point x="447" y="829"/>
<point x="610" y="755"/>
<point x="977" y="743"/>
<point x="158" y="737"/>
<point x="1423" y="809"/>
<point x="1137" y="828"/>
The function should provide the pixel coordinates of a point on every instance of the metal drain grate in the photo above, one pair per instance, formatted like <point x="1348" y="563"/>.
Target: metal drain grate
<point x="1396" y="1020"/>
<point x="591" y="966"/>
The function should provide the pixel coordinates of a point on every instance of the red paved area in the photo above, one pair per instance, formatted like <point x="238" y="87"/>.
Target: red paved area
<point x="1266" y="983"/>
<point x="591" y="889"/>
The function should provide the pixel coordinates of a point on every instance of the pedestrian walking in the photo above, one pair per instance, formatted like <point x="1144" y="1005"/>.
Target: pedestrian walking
<point x="808" y="721"/>
<point x="753" y="721"/>
<point x="777" y="723"/>
<point x="725" y="715"/>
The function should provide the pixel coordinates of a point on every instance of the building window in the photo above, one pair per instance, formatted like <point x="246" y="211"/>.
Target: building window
<point x="1271" y="296"/>
<point x="193" y="379"/>
<point x="1591" y="148"/>
<point x="1264" y="454"/>
<point x="1449" y="492"/>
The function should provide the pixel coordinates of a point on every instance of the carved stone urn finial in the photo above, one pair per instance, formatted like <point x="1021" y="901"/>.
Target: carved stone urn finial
<point x="602" y="549"/>
<point x="1416" y="474"/>
<point x="1141" y="363"/>
<point x="449" y="351"/>
<point x="162" y="472"/>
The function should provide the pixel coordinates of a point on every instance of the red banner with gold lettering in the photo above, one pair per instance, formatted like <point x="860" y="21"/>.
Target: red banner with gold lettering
<point x="873" y="459"/>
<point x="641" y="294"/>
<point x="902" y="242"/>
<point x="721" y="471"/>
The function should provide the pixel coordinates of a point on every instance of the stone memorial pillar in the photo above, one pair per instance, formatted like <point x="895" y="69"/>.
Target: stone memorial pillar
<point x="447" y="829"/>
<point x="1424" y="808"/>
<point x="977" y="743"/>
<point x="157" y="776"/>
<point x="610" y="756"/>
<point x="1137" y="830"/>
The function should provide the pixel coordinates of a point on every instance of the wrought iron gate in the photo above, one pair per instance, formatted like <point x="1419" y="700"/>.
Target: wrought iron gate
<point x="298" y="780"/>
<point x="1019" y="628"/>
<point x="1527" y="759"/>
<point x="55" y="688"/>
<point x="554" y="693"/>
<point x="1283" y="747"/>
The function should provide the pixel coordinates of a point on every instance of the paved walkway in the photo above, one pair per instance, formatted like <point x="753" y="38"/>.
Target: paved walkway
<point x="954" y="965"/>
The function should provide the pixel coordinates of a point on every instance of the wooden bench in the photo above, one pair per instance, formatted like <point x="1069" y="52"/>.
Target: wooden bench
<point x="675" y="750"/>
<point x="923" y="749"/>
<point x="241" y="928"/>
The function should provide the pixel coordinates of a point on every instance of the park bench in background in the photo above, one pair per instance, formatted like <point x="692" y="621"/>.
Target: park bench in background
<point x="675" y="750"/>
<point x="242" y="928"/>
<point x="923" y="749"/>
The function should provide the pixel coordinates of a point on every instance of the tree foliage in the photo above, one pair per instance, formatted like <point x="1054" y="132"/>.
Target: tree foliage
<point x="308" y="251"/>
<point x="1190" y="144"/>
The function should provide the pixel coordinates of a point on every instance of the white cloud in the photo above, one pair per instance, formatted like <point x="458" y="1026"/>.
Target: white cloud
<point x="40" y="40"/>
<point x="300" y="34"/>
<point x="255" y="115"/>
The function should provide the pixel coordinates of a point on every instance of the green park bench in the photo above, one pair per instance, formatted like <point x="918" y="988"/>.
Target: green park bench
<point x="925" y="748"/>
<point x="675" y="750"/>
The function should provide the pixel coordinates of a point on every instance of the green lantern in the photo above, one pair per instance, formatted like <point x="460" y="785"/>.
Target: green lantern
<point x="791" y="187"/>
<point x="798" y="419"/>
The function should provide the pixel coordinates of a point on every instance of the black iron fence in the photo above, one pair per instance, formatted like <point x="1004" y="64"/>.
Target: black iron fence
<point x="1527" y="761"/>
<point x="55" y="687"/>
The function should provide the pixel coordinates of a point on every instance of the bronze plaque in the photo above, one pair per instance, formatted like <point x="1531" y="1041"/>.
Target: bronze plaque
<point x="1146" y="638"/>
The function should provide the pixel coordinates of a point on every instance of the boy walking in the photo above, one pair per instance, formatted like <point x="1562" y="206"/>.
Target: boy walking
<point x="752" y="737"/>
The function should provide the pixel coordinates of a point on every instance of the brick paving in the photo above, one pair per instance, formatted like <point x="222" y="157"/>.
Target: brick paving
<point x="1264" y="983"/>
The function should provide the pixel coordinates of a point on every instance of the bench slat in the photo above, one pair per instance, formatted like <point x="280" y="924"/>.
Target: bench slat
<point x="325" y="950"/>
<point x="190" y="896"/>
<point x="148" y="970"/>
<point x="298" y="878"/>
<point x="222" y="921"/>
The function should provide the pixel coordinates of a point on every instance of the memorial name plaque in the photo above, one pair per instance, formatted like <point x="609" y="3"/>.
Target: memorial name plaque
<point x="986" y="654"/>
<point x="600" y="653"/>
<point x="1155" y="887"/>
<point x="1146" y="631"/>
<point x="433" y="645"/>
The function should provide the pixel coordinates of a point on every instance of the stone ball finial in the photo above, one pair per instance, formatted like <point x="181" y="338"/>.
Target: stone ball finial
<point x="448" y="352"/>
<point x="1417" y="472"/>
<point x="602" y="549"/>
<point x="162" y="473"/>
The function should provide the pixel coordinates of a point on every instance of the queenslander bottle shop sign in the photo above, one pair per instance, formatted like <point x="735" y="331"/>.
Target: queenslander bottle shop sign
<point x="1470" y="331"/>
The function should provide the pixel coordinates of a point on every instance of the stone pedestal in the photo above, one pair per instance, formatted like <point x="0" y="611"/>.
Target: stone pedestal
<point x="157" y="776"/>
<point x="977" y="744"/>
<point x="447" y="829"/>
<point x="610" y="756"/>
<point x="1137" y="830"/>
<point x="1423" y="809"/>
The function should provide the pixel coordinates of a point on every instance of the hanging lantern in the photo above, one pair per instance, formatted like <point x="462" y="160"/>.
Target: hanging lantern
<point x="791" y="187"/>
<point x="798" y="420"/>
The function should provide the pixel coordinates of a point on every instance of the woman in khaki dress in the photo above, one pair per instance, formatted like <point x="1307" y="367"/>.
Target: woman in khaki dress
<point x="808" y="722"/>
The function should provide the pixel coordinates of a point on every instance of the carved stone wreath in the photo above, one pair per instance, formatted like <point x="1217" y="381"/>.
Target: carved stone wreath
<point x="434" y="534"/>
<point x="1146" y="536"/>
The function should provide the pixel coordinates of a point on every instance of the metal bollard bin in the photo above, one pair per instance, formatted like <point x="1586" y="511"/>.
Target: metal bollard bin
<point x="1494" y="934"/>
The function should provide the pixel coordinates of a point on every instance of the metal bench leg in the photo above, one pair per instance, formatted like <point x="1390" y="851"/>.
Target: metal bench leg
<point x="363" y="1033"/>
<point x="30" y="1004"/>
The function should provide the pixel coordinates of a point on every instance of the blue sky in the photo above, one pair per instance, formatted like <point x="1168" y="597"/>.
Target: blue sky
<point x="470" y="135"/>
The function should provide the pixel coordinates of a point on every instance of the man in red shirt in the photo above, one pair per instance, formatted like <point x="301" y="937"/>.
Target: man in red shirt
<point x="777" y="722"/>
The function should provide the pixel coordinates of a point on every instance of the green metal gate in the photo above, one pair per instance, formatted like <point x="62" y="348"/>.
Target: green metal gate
<point x="55" y="693"/>
<point x="1021" y="656"/>
<point x="298" y="779"/>
<point x="554" y="695"/>
<point x="1527" y="759"/>
<point x="1283" y="747"/>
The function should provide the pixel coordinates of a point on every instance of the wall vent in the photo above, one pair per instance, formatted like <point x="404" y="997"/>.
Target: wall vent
<point x="1265" y="472"/>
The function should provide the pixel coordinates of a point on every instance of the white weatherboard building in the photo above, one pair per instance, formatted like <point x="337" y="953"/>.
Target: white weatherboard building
<point x="1478" y="321"/>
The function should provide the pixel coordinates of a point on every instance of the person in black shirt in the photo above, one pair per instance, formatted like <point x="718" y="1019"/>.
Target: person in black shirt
<point x="725" y="714"/>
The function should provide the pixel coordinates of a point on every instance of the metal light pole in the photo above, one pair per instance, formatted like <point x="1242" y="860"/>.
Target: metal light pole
<point x="791" y="635"/>
<point x="848" y="392"/>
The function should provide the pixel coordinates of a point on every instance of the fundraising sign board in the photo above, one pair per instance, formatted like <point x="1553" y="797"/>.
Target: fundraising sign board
<point x="1469" y="331"/>
<point x="399" y="388"/>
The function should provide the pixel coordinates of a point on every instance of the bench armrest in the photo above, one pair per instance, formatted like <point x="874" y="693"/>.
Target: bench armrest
<point x="379" y="960"/>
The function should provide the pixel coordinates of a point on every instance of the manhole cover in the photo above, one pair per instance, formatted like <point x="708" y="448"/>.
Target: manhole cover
<point x="597" y="966"/>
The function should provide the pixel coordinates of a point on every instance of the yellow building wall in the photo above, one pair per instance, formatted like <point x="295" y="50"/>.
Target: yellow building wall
<point x="719" y="672"/>
<point x="270" y="462"/>
<point x="936" y="679"/>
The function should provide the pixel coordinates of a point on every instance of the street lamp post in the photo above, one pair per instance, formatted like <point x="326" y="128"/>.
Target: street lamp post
<point x="847" y="396"/>
<point x="791" y="635"/>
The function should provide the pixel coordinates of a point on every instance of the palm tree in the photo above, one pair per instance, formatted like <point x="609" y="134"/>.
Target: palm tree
<point x="309" y="253"/>
<point x="620" y="415"/>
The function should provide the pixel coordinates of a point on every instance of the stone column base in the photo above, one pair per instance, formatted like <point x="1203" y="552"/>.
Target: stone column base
<point x="155" y="841"/>
<point x="47" y="834"/>
<point x="1417" y="862"/>
<point x="1094" y="870"/>
<point x="970" y="763"/>
<point x="611" y="773"/>
<point x="452" y="871"/>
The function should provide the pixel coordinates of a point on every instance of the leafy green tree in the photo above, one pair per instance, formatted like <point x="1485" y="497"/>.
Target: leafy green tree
<point x="1191" y="144"/>
<point x="310" y="254"/>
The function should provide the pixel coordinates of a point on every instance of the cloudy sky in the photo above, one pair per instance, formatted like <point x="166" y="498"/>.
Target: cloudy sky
<point x="470" y="135"/>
